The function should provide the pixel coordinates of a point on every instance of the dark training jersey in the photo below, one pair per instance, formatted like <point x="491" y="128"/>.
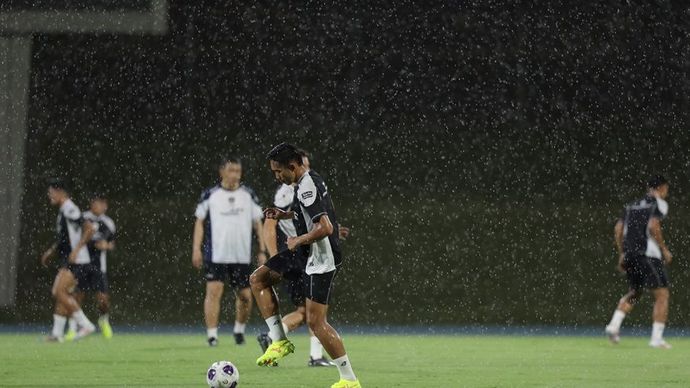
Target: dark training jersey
<point x="104" y="231"/>
<point x="68" y="234"/>
<point x="314" y="202"/>
<point x="636" y="217"/>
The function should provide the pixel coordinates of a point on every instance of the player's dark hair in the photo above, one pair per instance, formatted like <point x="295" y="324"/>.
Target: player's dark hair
<point x="98" y="196"/>
<point x="57" y="184"/>
<point x="656" y="181"/>
<point x="285" y="153"/>
<point x="224" y="160"/>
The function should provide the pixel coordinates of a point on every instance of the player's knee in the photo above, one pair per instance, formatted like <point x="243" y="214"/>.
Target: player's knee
<point x="256" y="281"/>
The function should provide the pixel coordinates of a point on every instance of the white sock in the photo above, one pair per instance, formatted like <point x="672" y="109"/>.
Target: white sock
<point x="315" y="350"/>
<point x="82" y="320"/>
<point x="275" y="328"/>
<point x="617" y="320"/>
<point x="239" y="328"/>
<point x="212" y="332"/>
<point x="72" y="324"/>
<point x="345" y="368"/>
<point x="658" y="331"/>
<point x="103" y="318"/>
<point x="58" y="325"/>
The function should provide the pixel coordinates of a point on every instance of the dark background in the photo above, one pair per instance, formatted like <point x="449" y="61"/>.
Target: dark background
<point x="480" y="152"/>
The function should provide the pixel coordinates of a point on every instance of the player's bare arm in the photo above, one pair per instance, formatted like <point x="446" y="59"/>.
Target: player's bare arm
<point x="275" y="213"/>
<point x="197" y="238"/>
<point x="270" y="236"/>
<point x="258" y="230"/>
<point x="104" y="245"/>
<point x="322" y="229"/>
<point x="655" y="232"/>
<point x="87" y="232"/>
<point x="618" y="237"/>
<point x="45" y="258"/>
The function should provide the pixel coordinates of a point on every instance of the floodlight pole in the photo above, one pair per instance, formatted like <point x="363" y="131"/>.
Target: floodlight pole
<point x="16" y="37"/>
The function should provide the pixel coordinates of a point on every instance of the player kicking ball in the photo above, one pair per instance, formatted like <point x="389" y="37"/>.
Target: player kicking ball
<point x="317" y="238"/>
<point x="643" y="256"/>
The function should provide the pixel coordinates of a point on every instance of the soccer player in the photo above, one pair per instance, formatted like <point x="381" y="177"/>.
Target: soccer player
<point x="73" y="233"/>
<point x="317" y="238"/>
<point x="276" y="234"/>
<point x="643" y="255"/>
<point x="93" y="277"/>
<point x="225" y="216"/>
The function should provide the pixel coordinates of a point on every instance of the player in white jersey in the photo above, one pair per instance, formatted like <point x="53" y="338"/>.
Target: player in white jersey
<point x="226" y="215"/>
<point x="93" y="278"/>
<point x="317" y="239"/>
<point x="73" y="233"/>
<point x="276" y="233"/>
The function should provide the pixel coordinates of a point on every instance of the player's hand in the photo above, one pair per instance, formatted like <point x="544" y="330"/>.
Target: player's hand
<point x="73" y="256"/>
<point x="196" y="258"/>
<point x="621" y="260"/>
<point x="261" y="258"/>
<point x="668" y="257"/>
<point x="103" y="245"/>
<point x="46" y="257"/>
<point x="343" y="232"/>
<point x="274" y="213"/>
<point x="292" y="243"/>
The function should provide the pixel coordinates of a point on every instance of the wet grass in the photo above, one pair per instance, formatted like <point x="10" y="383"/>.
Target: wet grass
<point x="380" y="361"/>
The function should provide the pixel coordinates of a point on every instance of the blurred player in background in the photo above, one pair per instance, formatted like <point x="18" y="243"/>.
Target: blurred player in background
<point x="643" y="255"/>
<point x="276" y="233"/>
<point x="317" y="237"/>
<point x="94" y="277"/>
<point x="73" y="233"/>
<point x="225" y="217"/>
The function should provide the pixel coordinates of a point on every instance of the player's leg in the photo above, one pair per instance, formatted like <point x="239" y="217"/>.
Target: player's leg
<point x="60" y="315"/>
<point x="214" y="293"/>
<point x="297" y="290"/>
<point x="243" y="300"/>
<point x="262" y="282"/>
<point x="636" y="281"/>
<point x="82" y="279"/>
<point x="103" y="305"/>
<point x="657" y="281"/>
<point x="72" y="328"/>
<point x="319" y="290"/>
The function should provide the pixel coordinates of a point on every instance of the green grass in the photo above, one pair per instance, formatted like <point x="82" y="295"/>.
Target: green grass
<point x="379" y="361"/>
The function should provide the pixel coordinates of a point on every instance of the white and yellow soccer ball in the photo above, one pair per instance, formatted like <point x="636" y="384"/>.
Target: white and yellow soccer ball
<point x="222" y="374"/>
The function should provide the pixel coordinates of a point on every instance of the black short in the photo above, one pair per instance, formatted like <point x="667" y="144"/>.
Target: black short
<point x="316" y="287"/>
<point x="89" y="277"/>
<point x="237" y="274"/>
<point x="645" y="272"/>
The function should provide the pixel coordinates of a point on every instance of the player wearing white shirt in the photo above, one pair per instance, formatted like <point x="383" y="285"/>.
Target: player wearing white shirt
<point x="226" y="215"/>
<point x="93" y="277"/>
<point x="72" y="236"/>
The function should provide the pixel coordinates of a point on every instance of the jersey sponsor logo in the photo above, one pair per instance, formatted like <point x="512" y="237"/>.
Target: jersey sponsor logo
<point x="307" y="194"/>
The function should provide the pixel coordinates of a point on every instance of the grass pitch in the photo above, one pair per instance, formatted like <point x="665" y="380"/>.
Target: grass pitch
<point x="156" y="360"/>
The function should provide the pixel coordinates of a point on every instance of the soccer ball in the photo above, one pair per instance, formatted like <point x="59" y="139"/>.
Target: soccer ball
<point x="222" y="374"/>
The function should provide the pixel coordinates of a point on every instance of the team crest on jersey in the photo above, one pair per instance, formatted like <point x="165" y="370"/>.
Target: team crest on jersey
<point x="231" y="200"/>
<point x="308" y="194"/>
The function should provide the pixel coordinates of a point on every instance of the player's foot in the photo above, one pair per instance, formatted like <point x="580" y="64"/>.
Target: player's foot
<point x="323" y="361"/>
<point x="213" y="341"/>
<point x="614" y="335"/>
<point x="53" y="339"/>
<point x="85" y="332"/>
<point x="239" y="339"/>
<point x="275" y="352"/>
<point x="264" y="341"/>
<point x="660" y="344"/>
<point x="106" y="329"/>
<point x="347" y="384"/>
<point x="70" y="335"/>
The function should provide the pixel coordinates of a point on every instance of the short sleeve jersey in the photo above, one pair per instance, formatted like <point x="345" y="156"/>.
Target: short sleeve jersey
<point x="636" y="216"/>
<point x="315" y="202"/>
<point x="229" y="216"/>
<point x="69" y="232"/>
<point x="105" y="231"/>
